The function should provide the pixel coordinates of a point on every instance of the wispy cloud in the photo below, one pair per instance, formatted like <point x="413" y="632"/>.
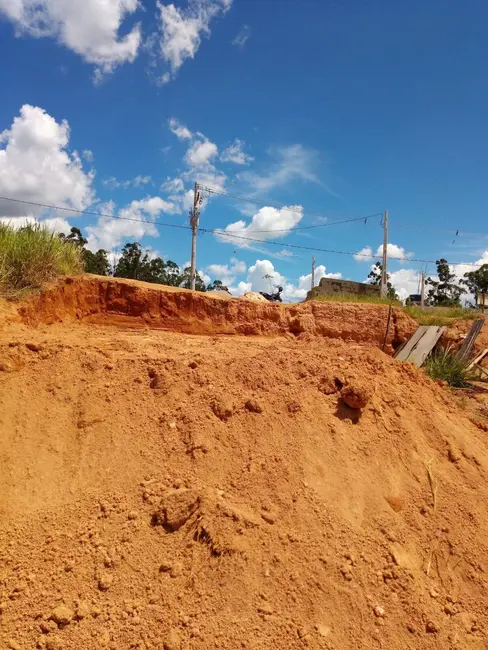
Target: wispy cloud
<point x="291" y="163"/>
<point x="242" y="37"/>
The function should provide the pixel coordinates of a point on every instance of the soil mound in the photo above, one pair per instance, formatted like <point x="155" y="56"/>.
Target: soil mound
<point x="164" y="491"/>
<point x="111" y="301"/>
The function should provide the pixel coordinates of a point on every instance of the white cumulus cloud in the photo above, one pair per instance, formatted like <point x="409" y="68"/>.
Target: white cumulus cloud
<point x="179" y="129"/>
<point x="405" y="282"/>
<point x="181" y="30"/>
<point x="135" y="221"/>
<point x="235" y="153"/>
<point x="392" y="250"/>
<point x="262" y="276"/>
<point x="200" y="153"/>
<point x="36" y="165"/>
<point x="267" y="223"/>
<point x="90" y="28"/>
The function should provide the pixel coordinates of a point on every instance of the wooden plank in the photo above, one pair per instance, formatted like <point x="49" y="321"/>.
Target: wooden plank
<point x="402" y="353"/>
<point x="478" y="359"/>
<point x="420" y="345"/>
<point x="468" y="345"/>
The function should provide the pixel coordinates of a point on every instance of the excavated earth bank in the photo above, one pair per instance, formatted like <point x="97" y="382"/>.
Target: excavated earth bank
<point x="125" y="302"/>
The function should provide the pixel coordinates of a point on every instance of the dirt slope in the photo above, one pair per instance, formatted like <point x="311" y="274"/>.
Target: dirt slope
<point x="126" y="302"/>
<point x="160" y="490"/>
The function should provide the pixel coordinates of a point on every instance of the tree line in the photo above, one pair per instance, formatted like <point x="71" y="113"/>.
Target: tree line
<point x="447" y="289"/>
<point x="136" y="263"/>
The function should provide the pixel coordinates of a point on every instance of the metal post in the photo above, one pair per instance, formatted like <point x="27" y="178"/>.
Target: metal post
<point x="384" y="272"/>
<point x="422" y="290"/>
<point x="194" y="217"/>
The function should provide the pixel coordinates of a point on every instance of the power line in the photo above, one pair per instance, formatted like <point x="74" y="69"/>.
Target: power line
<point x="93" y="214"/>
<point x="321" y="225"/>
<point x="280" y="206"/>
<point x="456" y="232"/>
<point x="221" y="233"/>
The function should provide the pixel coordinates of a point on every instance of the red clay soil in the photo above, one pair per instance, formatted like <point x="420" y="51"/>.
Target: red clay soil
<point x="125" y="302"/>
<point x="160" y="491"/>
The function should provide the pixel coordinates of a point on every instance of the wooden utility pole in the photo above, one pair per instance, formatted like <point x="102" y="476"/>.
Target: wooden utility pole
<point x="313" y="272"/>
<point x="194" y="218"/>
<point x="384" y="272"/>
<point x="422" y="290"/>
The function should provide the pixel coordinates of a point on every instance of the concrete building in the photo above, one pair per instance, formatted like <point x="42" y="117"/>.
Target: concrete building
<point x="331" y="287"/>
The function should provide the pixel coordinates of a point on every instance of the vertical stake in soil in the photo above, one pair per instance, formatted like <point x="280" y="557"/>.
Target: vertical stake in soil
<point x="433" y="486"/>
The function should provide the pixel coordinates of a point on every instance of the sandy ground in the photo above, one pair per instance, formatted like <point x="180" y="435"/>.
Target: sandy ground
<point x="161" y="490"/>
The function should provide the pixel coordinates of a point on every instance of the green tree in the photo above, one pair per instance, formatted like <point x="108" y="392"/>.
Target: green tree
<point x="374" y="277"/>
<point x="93" y="262"/>
<point x="96" y="263"/>
<point x="444" y="291"/>
<point x="477" y="281"/>
<point x="75" y="237"/>
<point x="186" y="280"/>
<point x="217" y="285"/>
<point x="133" y="262"/>
<point x="173" y="274"/>
<point x="136" y="264"/>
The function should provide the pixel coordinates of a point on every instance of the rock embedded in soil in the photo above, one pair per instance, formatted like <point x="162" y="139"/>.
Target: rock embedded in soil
<point x="222" y="408"/>
<point x="173" y="640"/>
<point x="62" y="615"/>
<point x="356" y="395"/>
<point x="253" y="406"/>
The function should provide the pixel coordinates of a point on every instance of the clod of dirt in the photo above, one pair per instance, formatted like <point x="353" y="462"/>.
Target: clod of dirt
<point x="395" y="503"/>
<point x="453" y="454"/>
<point x="33" y="347"/>
<point x="356" y="395"/>
<point x="222" y="408"/>
<point x="431" y="627"/>
<point x="82" y="610"/>
<point x="206" y="516"/>
<point x="327" y="385"/>
<point x="173" y="640"/>
<point x="294" y="407"/>
<point x="105" y="581"/>
<point x="62" y="615"/>
<point x="253" y="406"/>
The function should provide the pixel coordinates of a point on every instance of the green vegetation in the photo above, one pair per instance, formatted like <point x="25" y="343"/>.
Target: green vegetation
<point x="346" y="297"/>
<point x="137" y="264"/>
<point x="444" y="291"/>
<point x="477" y="281"/>
<point x="440" y="316"/>
<point x="444" y="364"/>
<point x="374" y="277"/>
<point x="32" y="256"/>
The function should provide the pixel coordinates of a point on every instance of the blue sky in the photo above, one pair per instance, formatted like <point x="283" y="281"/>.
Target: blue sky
<point x="336" y="110"/>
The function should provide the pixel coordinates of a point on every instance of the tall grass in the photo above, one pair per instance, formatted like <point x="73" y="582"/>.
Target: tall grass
<point x="444" y="364"/>
<point x="32" y="256"/>
<point x="343" y="297"/>
<point x="441" y="316"/>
